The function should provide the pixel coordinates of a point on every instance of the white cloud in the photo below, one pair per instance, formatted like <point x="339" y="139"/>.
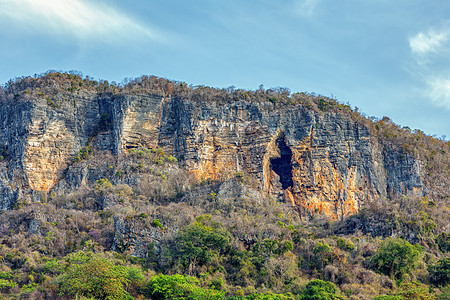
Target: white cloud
<point x="439" y="91"/>
<point x="305" y="8"/>
<point x="79" y="19"/>
<point x="431" y="53"/>
<point x="430" y="42"/>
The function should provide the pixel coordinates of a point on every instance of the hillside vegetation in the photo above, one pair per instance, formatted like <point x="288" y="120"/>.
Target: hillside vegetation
<point x="143" y="227"/>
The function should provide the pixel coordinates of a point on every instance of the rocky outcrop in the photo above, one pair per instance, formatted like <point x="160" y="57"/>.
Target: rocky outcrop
<point x="320" y="162"/>
<point x="403" y="172"/>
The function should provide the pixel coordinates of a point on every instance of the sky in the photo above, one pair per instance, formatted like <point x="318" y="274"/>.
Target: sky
<point x="388" y="58"/>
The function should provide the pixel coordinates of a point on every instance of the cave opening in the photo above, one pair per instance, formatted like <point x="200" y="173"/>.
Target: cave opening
<point x="283" y="164"/>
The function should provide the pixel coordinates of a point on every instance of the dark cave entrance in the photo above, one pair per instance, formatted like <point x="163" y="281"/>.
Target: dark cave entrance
<point x="282" y="165"/>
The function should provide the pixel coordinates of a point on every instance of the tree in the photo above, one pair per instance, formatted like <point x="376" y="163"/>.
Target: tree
<point x="180" y="287"/>
<point x="395" y="258"/>
<point x="199" y="242"/>
<point x="320" y="290"/>
<point x="95" y="277"/>
<point x="440" y="272"/>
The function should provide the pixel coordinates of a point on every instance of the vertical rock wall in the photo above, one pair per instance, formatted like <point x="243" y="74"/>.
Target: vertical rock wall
<point x="320" y="162"/>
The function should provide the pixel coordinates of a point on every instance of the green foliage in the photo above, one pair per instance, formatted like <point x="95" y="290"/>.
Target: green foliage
<point x="265" y="296"/>
<point x="389" y="297"/>
<point x="345" y="245"/>
<point x="170" y="158"/>
<point x="28" y="288"/>
<point x="94" y="277"/>
<point x="179" y="287"/>
<point x="320" y="290"/>
<point x="83" y="154"/>
<point x="6" y="275"/>
<point x="157" y="223"/>
<point x="443" y="241"/>
<point x="323" y="255"/>
<point x="415" y="290"/>
<point x="445" y="293"/>
<point x="143" y="216"/>
<point x="135" y="275"/>
<point x="395" y="258"/>
<point x="440" y="272"/>
<point x="52" y="266"/>
<point x="103" y="184"/>
<point x="323" y="105"/>
<point x="269" y="247"/>
<point x="6" y="284"/>
<point x="201" y="240"/>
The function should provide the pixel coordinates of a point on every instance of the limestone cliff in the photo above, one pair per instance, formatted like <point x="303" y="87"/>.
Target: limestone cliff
<point x="320" y="162"/>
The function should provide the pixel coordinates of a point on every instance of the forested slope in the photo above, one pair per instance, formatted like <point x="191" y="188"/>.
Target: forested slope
<point x="156" y="189"/>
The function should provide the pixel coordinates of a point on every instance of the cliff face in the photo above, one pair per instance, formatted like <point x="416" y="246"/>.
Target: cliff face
<point x="319" y="162"/>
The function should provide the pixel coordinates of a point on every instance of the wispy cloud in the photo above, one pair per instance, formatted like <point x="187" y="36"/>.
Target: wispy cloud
<point x="429" y="42"/>
<point x="431" y="53"/>
<point x="439" y="91"/>
<point x="305" y="8"/>
<point x="80" y="19"/>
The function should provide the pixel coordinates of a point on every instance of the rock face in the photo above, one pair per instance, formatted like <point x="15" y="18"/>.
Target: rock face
<point x="322" y="163"/>
<point x="131" y="238"/>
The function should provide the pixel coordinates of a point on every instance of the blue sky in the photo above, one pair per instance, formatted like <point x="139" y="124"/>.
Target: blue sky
<point x="389" y="58"/>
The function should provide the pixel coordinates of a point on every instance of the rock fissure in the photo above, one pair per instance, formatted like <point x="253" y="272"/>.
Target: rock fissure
<point x="282" y="165"/>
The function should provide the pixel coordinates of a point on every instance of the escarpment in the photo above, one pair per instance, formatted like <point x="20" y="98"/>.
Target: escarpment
<point x="322" y="162"/>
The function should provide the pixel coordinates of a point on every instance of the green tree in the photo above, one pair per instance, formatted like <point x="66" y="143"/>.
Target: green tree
<point x="320" y="290"/>
<point x="200" y="241"/>
<point x="323" y="255"/>
<point x="440" y="272"/>
<point x="395" y="258"/>
<point x="265" y="296"/>
<point x="443" y="241"/>
<point x="95" y="277"/>
<point x="179" y="287"/>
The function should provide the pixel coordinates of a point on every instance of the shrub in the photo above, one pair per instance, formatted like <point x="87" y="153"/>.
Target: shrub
<point x="83" y="154"/>
<point x="157" y="223"/>
<point x="345" y="245"/>
<point x="28" y="288"/>
<point x="143" y="216"/>
<point x="6" y="284"/>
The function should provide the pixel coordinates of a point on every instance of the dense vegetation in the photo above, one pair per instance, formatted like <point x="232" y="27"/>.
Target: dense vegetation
<point x="210" y="245"/>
